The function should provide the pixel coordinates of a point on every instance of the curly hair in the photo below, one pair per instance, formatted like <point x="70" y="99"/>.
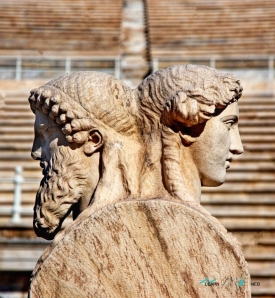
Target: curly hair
<point x="59" y="189"/>
<point x="185" y="94"/>
<point x="81" y="101"/>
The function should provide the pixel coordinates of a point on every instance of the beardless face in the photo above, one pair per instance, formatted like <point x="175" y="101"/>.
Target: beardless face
<point x="214" y="148"/>
<point x="70" y="176"/>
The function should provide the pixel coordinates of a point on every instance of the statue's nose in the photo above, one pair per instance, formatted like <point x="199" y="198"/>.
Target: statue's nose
<point x="36" y="154"/>
<point x="36" y="149"/>
<point x="236" y="146"/>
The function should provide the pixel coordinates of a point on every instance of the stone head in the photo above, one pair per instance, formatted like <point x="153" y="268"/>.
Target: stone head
<point x="80" y="119"/>
<point x="194" y="111"/>
<point x="99" y="142"/>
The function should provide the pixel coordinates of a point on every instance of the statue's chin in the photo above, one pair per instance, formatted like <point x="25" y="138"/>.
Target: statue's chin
<point x="44" y="229"/>
<point x="214" y="181"/>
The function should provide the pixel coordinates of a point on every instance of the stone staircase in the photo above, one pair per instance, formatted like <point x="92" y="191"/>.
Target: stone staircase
<point x="61" y="26"/>
<point x="206" y="28"/>
<point x="16" y="121"/>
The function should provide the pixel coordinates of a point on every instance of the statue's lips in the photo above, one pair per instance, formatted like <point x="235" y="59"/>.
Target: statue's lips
<point x="228" y="161"/>
<point x="43" y="165"/>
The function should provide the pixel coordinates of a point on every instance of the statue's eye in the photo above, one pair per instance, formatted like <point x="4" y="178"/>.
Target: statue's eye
<point x="47" y="132"/>
<point x="229" y="123"/>
<point x="41" y="130"/>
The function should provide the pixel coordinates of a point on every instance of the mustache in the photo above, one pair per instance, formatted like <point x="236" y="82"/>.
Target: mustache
<point x="44" y="165"/>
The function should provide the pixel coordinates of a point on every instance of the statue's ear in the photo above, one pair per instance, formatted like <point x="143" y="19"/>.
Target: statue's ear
<point x="95" y="142"/>
<point x="190" y="134"/>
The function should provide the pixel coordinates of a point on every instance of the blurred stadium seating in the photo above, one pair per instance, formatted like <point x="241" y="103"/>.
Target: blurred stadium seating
<point x="228" y="34"/>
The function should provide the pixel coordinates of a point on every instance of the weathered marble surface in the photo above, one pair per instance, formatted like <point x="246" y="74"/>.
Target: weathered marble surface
<point x="104" y="147"/>
<point x="152" y="248"/>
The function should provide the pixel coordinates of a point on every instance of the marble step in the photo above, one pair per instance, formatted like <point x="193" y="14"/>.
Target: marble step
<point x="243" y="211"/>
<point x="238" y="198"/>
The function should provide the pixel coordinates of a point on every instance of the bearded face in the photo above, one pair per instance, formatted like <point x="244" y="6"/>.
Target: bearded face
<point x="70" y="176"/>
<point x="65" y="183"/>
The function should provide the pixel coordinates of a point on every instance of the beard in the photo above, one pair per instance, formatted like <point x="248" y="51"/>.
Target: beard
<point x="64" y="184"/>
